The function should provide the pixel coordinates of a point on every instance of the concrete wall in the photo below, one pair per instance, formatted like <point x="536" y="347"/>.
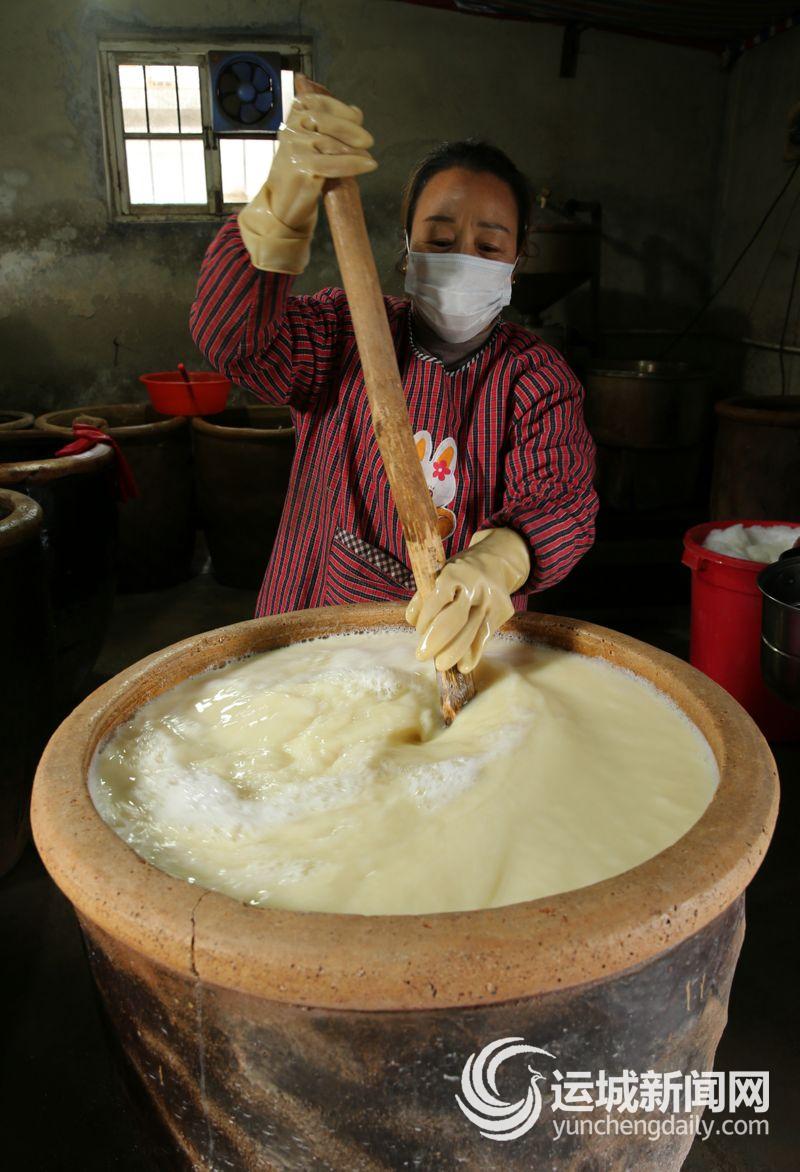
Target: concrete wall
<point x="763" y="85"/>
<point x="85" y="305"/>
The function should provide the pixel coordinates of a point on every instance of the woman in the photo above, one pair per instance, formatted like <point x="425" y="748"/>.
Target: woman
<point x="497" y="414"/>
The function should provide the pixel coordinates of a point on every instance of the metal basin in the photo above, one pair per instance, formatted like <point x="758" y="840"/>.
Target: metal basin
<point x="644" y="404"/>
<point x="558" y="259"/>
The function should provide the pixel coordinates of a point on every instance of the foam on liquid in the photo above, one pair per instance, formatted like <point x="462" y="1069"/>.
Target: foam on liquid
<point x="754" y="543"/>
<point x="319" y="777"/>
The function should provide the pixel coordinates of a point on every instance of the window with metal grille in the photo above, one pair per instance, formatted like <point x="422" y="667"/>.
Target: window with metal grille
<point x="164" y="160"/>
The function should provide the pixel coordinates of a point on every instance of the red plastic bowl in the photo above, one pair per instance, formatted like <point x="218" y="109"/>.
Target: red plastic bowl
<point x="170" y="395"/>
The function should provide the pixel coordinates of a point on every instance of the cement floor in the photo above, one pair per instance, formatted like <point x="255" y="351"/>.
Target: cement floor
<point x="63" y="1102"/>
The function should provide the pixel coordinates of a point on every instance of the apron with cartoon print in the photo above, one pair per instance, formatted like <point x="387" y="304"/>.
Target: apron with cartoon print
<point x="359" y="571"/>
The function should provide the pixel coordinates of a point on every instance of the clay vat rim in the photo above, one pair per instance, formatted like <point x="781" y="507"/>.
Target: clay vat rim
<point x="15" y="420"/>
<point x="641" y="448"/>
<point x="123" y="431"/>
<point x="756" y="409"/>
<point x="54" y="467"/>
<point x="374" y="963"/>
<point x="23" y="522"/>
<point x="675" y="373"/>
<point x="219" y="431"/>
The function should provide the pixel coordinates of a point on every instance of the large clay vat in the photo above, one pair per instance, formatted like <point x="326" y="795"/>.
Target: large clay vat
<point x="757" y="458"/>
<point x="243" y="457"/>
<point x="157" y="528"/>
<point x="26" y="665"/>
<point x="14" y="420"/>
<point x="270" y="1039"/>
<point x="77" y="496"/>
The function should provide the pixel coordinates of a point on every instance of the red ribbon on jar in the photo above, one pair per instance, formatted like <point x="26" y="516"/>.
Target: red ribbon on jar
<point x="86" y="437"/>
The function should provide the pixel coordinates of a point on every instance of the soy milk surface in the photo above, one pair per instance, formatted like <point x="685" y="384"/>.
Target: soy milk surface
<point x="319" y="777"/>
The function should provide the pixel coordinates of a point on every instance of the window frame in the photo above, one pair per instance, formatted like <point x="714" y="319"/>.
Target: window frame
<point x="295" y="55"/>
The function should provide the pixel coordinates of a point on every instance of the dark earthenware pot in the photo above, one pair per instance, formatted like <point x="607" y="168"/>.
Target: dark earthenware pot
<point x="79" y="522"/>
<point x="26" y="667"/>
<point x="243" y="457"/>
<point x="157" y="528"/>
<point x="638" y="480"/>
<point x="276" y="1039"/>
<point x="757" y="458"/>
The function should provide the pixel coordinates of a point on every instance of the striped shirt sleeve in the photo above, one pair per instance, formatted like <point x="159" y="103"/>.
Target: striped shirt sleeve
<point x="548" y="494"/>
<point x="249" y="327"/>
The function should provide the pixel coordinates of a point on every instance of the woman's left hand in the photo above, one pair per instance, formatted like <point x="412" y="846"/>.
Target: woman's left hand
<point x="471" y="599"/>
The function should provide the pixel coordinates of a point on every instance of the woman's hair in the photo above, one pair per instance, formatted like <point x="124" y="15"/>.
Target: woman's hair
<point x="471" y="155"/>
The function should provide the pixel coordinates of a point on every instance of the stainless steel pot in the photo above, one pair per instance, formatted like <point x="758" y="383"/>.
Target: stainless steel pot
<point x="780" y="626"/>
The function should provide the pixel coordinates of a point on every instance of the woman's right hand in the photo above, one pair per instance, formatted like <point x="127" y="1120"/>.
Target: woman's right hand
<point x="323" y="139"/>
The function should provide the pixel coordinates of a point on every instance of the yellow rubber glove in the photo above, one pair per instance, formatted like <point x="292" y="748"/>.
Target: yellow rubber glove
<point x="471" y="599"/>
<point x="323" y="139"/>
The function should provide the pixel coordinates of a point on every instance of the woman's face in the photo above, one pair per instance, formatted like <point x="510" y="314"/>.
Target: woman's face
<point x="466" y="211"/>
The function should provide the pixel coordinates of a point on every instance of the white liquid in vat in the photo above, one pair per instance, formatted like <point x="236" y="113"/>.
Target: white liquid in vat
<point x="319" y="777"/>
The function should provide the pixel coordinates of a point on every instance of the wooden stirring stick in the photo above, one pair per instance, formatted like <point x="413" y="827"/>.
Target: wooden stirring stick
<point x="387" y="400"/>
<point x="184" y="373"/>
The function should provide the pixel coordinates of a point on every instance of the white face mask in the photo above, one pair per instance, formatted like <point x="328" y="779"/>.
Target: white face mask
<point x="458" y="295"/>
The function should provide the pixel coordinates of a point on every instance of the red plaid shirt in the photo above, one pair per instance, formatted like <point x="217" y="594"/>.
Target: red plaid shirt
<point x="506" y="442"/>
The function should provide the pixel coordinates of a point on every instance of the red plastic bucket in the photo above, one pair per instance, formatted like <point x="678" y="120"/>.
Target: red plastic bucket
<point x="726" y="628"/>
<point x="170" y="395"/>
